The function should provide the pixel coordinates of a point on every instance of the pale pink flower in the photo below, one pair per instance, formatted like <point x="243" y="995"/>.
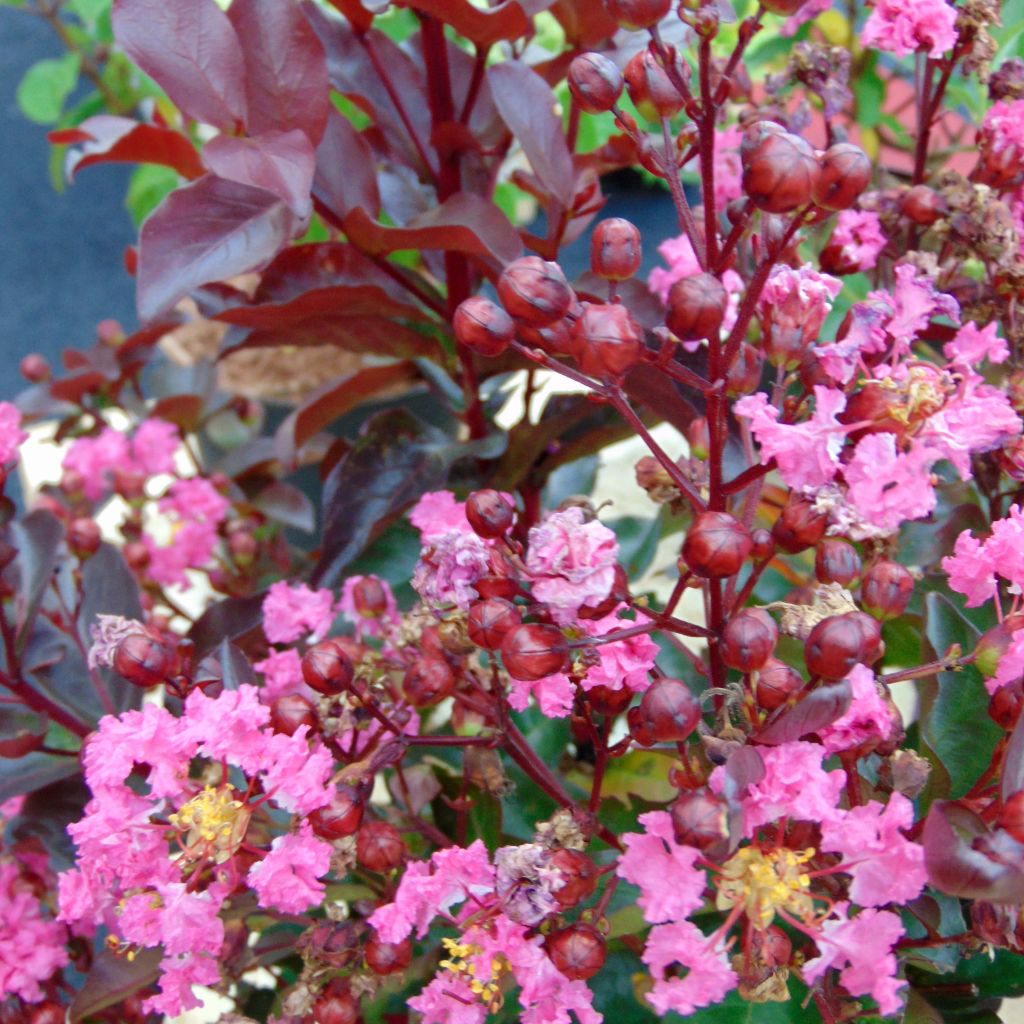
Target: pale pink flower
<point x="191" y="547"/>
<point x="886" y="867"/>
<point x="195" y="500"/>
<point x="178" y="975"/>
<point x="554" y="694"/>
<point x="902" y="27"/>
<point x="973" y="345"/>
<point x="861" y="949"/>
<point x="623" y="663"/>
<point x="450" y="567"/>
<point x="32" y="947"/>
<point x="153" y="446"/>
<point x="572" y="561"/>
<point x="288" y="877"/>
<point x="1011" y="664"/>
<point x="971" y="570"/>
<point x="728" y="168"/>
<point x="230" y="726"/>
<point x="914" y="300"/>
<point x="795" y="302"/>
<point x="11" y="434"/>
<point x="448" y="999"/>
<point x="95" y="458"/>
<point x="671" y="885"/>
<point x="1004" y="549"/>
<point x="292" y="612"/>
<point x="708" y="978"/>
<point x="295" y="772"/>
<point x="282" y="676"/>
<point x="1003" y="126"/>
<point x="181" y="921"/>
<point x="107" y="632"/>
<point x="865" y="333"/>
<point x="807" y="454"/>
<point x="867" y="717"/>
<point x="438" y="513"/>
<point x="858" y="235"/>
<point x="888" y="487"/>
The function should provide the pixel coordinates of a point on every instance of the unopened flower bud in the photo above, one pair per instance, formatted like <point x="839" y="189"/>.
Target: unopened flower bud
<point x="799" y="526"/>
<point x="836" y="561"/>
<point x="490" y="621"/>
<point x="35" y="368"/>
<point x="994" y="643"/>
<point x="698" y="436"/>
<point x="578" y="876"/>
<point x="490" y="513"/>
<point x="327" y="669"/>
<point x="534" y="291"/>
<point x="144" y="660"/>
<point x="700" y="819"/>
<point x="886" y="590"/>
<point x="764" y="544"/>
<point x="748" y="639"/>
<point x="483" y="326"/>
<point x="923" y="205"/>
<point x="606" y="701"/>
<point x="578" y="951"/>
<point x="337" y="1005"/>
<point x="696" y="307"/>
<point x="843" y="174"/>
<point x="47" y="1013"/>
<point x="379" y="846"/>
<point x="595" y="82"/>
<point x="428" y="682"/>
<point x="615" y="252"/>
<point x="716" y="545"/>
<point x="291" y="711"/>
<point x="780" y="173"/>
<point x="650" y="88"/>
<point x="83" y="537"/>
<point x="636" y="14"/>
<point x="534" y="651"/>
<point x="1011" y="817"/>
<point x="341" y="817"/>
<point x="387" y="957"/>
<point x="744" y="375"/>
<point x="669" y="711"/>
<point x="834" y="646"/>
<point x="607" y="341"/>
<point x="776" y="683"/>
<point x="1006" y="704"/>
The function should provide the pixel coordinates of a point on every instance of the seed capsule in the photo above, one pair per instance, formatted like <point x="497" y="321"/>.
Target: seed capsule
<point x="428" y="683"/>
<point x="341" y="817"/>
<point x="836" y="561"/>
<point x="799" y="526"/>
<point x="337" y="1005"/>
<point x="578" y="951"/>
<point x="748" y="639"/>
<point x="669" y="712"/>
<point x="780" y="174"/>
<point x="579" y="876"/>
<point x="700" y="818"/>
<point x="483" y="326"/>
<point x="327" y="669"/>
<point x="144" y="660"/>
<point x="387" y="957"/>
<point x="834" y="646"/>
<point x="379" y="846"/>
<point x="595" y="82"/>
<point x="716" y="545"/>
<point x="650" y="88"/>
<point x="923" y="205"/>
<point x="615" y="251"/>
<point x="607" y="341"/>
<point x="489" y="513"/>
<point x="696" y="307"/>
<point x="534" y="291"/>
<point x="290" y="712"/>
<point x="490" y="621"/>
<point x="534" y="651"/>
<point x="886" y="590"/>
<point x="844" y="173"/>
<point x="776" y="683"/>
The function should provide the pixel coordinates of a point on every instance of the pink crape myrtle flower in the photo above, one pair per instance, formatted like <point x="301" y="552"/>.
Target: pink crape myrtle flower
<point x="868" y="716"/>
<point x="449" y="569"/>
<point x="888" y="487"/>
<point x="554" y="694"/>
<point x="708" y="978"/>
<point x="1005" y="548"/>
<point x="11" y="434"/>
<point x="368" y="625"/>
<point x="197" y="500"/>
<point x="438" y="513"/>
<point x="282" y="676"/>
<point x="1011" y="664"/>
<point x="857" y="239"/>
<point x="291" y="612"/>
<point x="107" y="632"/>
<point x="861" y="949"/>
<point x="32" y="947"/>
<point x="807" y="454"/>
<point x="796" y="301"/>
<point x="903" y="27"/>
<point x="288" y="877"/>
<point x="95" y="458"/>
<point x="153" y="446"/>
<point x="572" y="561"/>
<point x="623" y="663"/>
<point x="1003" y="126"/>
<point x="915" y="300"/>
<point x="973" y="345"/>
<point x="971" y="570"/>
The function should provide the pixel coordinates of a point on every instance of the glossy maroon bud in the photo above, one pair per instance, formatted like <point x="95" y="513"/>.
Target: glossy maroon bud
<point x="83" y="537"/>
<point x="48" y="1013"/>
<point x="333" y="943"/>
<point x="748" y="639"/>
<point x="696" y="307"/>
<point x="698" y="436"/>
<point x="534" y="651"/>
<point x="380" y="847"/>
<point x="327" y="669"/>
<point x="764" y="544"/>
<point x="886" y="590"/>
<point x="145" y="660"/>
<point x="606" y="701"/>
<point x="496" y="586"/>
<point x="607" y="341"/>
<point x="776" y="683"/>
<point x="534" y="291"/>
<point x="634" y="14"/>
<point x="490" y="621"/>
<point x="291" y="711"/>
<point x="844" y="173"/>
<point x="669" y="711"/>
<point x="595" y="82"/>
<point x="780" y="174"/>
<point x="483" y="326"/>
<point x="136" y="554"/>
<point x="341" y="817"/>
<point x="871" y="631"/>
<point x="787" y="8"/>
<point x="35" y="368"/>
<point x="428" y="682"/>
<point x="716" y="545"/>
<point x="1011" y="816"/>
<point x="744" y="375"/>
<point x="1006" y="704"/>
<point x="836" y="561"/>
<point x="387" y="957"/>
<point x="639" y="728"/>
<point x="650" y="88"/>
<point x="834" y="646"/>
<point x="555" y="340"/>
<point x="490" y="513"/>
<point x="337" y="1005"/>
<point x="369" y="598"/>
<point x="700" y="819"/>
<point x="578" y="876"/>
<point x="923" y="205"/>
<point x="615" y="251"/>
<point x="755" y="133"/>
<point x="799" y="526"/>
<point x="578" y="951"/>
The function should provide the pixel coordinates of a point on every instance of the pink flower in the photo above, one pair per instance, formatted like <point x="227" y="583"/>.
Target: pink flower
<point x="971" y="570"/>
<point x="862" y="949"/>
<point x="807" y="453"/>
<point x="525" y="882"/>
<point x="181" y="921"/>
<point x="1003" y="126"/>
<point x="888" y="487"/>
<point x="230" y="726"/>
<point x="448" y="999"/>
<point x="857" y="238"/>
<point x="191" y="547"/>
<point x="195" y="499"/>
<point x="708" y="979"/>
<point x="907" y="26"/>
<point x="1011" y="664"/>
<point x="728" y="169"/>
<point x="865" y="334"/>
<point x="449" y="569"/>
<point x="294" y="612"/>
<point x="95" y="458"/>
<point x="915" y="300"/>
<point x="438" y="513"/>
<point x="153" y="446"/>
<point x="31" y="946"/>
<point x="973" y="345"/>
<point x="572" y="562"/>
<point x="554" y="694"/>
<point x="1004" y="549"/>
<point x="296" y="774"/>
<point x="671" y="886"/>
<point x="288" y="877"/>
<point x="867" y="717"/>
<point x="11" y="434"/>
<point x="366" y="624"/>
<point x="282" y="675"/>
<point x="886" y="867"/>
<point x="794" y="303"/>
<point x="623" y="663"/>
<point x="177" y="977"/>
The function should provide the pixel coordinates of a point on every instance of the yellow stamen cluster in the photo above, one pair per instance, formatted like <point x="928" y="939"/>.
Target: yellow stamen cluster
<point x="764" y="882"/>
<point x="924" y="392"/>
<point x="460" y="964"/>
<point x="213" y="818"/>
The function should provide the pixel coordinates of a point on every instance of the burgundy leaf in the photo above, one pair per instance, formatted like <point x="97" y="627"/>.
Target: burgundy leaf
<point x="280" y="162"/>
<point x="21" y="732"/>
<point x="111" y="979"/>
<point x="1012" y="780"/>
<point x="507" y="20"/>
<point x="529" y="108"/>
<point x="356" y="13"/>
<point x="586" y="22"/>
<point x="821" y="707"/>
<point x="203" y="232"/>
<point x="286" y="504"/>
<point x="303" y="268"/>
<point x="342" y="300"/>
<point x="107" y="139"/>
<point x="286" y="83"/>
<point x="185" y="411"/>
<point x="345" y="178"/>
<point x="190" y="49"/>
<point x="743" y="770"/>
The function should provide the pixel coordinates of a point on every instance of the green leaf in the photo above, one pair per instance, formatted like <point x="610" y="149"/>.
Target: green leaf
<point x="638" y="542"/>
<point x="869" y="92"/>
<point x="147" y="188"/>
<point x="641" y="773"/>
<point x="89" y="10"/>
<point x="45" y="87"/>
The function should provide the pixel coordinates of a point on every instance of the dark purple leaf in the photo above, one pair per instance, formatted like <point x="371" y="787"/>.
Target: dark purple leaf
<point x="1012" y="779"/>
<point x="286" y="504"/>
<point x="113" y="978"/>
<point x="234" y="618"/>
<point x="529" y="108"/>
<point x="203" y="232"/>
<point x="37" y="538"/>
<point x="305" y="268"/>
<point x="484" y="26"/>
<point x="345" y="178"/>
<point x="192" y="52"/>
<point x="21" y="732"/>
<point x="743" y="769"/>
<point x="186" y="411"/>
<point x="821" y="707"/>
<point x="286" y="82"/>
<point x="46" y="814"/>
<point x="660" y="394"/>
<point x="228" y="666"/>
<point x="34" y="771"/>
<point x="280" y="162"/>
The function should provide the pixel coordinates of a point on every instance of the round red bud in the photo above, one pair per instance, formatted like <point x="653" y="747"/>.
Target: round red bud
<point x="696" y="307"/>
<point x="700" y="818"/>
<point x="490" y="621"/>
<point x="496" y="586"/>
<point x="799" y="526"/>
<point x="387" y="957"/>
<point x="776" y="683"/>
<point x="871" y="630"/>
<point x="291" y="711"/>
<point x="923" y="205"/>
<point x="615" y="252"/>
<point x="780" y="173"/>
<point x="534" y="651"/>
<point x="834" y="646"/>
<point x="634" y="14"/>
<point x="744" y="375"/>
<point x="669" y="711"/>
<point x="490" y="513"/>
<point x="337" y="1005"/>
<point x="46" y="1013"/>
<point x="595" y="82"/>
<point x="35" y="368"/>
<point x="369" y="598"/>
<point x="1006" y="704"/>
<point x="607" y="341"/>
<point x="1011" y="816"/>
<point x="84" y="537"/>
<point x="716" y="545"/>
<point x="534" y="291"/>
<point x="764" y="544"/>
<point x="379" y="846"/>
<point x="787" y="8"/>
<point x="650" y="87"/>
<point x="579" y="876"/>
<point x="698" y="436"/>
<point x="886" y="590"/>
<point x="844" y="173"/>
<point x="606" y="701"/>
<point x="327" y="669"/>
<point x="145" y="660"/>
<point x="483" y="326"/>
<point x="748" y="639"/>
<point x="341" y="817"/>
<point x="578" y="951"/>
<point x="836" y="561"/>
<point x="428" y="682"/>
